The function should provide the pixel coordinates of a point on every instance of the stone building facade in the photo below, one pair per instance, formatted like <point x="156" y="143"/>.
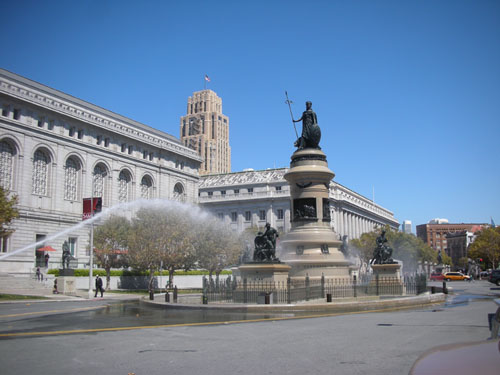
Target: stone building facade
<point x="56" y="150"/>
<point x="205" y="129"/>
<point x="252" y="198"/>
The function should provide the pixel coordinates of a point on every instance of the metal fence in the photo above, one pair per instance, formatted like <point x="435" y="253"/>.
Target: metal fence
<point x="291" y="291"/>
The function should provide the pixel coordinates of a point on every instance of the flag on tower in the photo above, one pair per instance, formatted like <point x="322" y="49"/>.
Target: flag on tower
<point x="206" y="78"/>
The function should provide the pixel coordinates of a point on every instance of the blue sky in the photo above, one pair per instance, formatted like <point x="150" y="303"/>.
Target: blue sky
<point x="407" y="93"/>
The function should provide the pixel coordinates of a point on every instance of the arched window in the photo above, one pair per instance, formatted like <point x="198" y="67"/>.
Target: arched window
<point x="40" y="173"/>
<point x="179" y="192"/>
<point x="71" y="171"/>
<point x="123" y="186"/>
<point x="6" y="165"/>
<point x="146" y="187"/>
<point x="99" y="181"/>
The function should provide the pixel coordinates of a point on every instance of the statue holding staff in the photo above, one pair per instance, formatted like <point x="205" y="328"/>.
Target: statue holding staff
<point x="311" y="133"/>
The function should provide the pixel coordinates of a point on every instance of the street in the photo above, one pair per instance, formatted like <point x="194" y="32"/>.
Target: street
<point x="357" y="343"/>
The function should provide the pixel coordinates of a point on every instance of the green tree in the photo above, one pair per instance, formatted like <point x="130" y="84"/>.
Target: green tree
<point x="111" y="242"/>
<point x="406" y="247"/>
<point x="487" y="246"/>
<point x="161" y="238"/>
<point x="8" y="212"/>
<point x="217" y="247"/>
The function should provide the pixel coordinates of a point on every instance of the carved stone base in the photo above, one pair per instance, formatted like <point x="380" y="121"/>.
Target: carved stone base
<point x="66" y="284"/>
<point x="264" y="272"/>
<point x="66" y="272"/>
<point x="388" y="279"/>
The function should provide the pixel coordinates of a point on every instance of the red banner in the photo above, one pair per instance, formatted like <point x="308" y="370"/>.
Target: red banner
<point x="88" y="210"/>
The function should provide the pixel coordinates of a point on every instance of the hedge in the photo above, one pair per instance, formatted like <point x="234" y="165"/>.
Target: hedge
<point x="85" y="272"/>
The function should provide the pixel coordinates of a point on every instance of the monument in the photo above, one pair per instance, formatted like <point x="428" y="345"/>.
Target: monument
<point x="265" y="267"/>
<point x="66" y="281"/>
<point x="311" y="248"/>
<point x="386" y="272"/>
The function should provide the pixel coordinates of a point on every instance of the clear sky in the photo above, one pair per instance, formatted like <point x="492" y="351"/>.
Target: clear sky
<point x="407" y="93"/>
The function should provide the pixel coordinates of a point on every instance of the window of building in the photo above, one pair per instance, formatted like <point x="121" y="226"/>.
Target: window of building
<point x="106" y="142"/>
<point x="40" y="260"/>
<point x="248" y="215"/>
<point x="124" y="147"/>
<point x="4" y="244"/>
<point x="51" y="125"/>
<point x="151" y="156"/>
<point x="250" y="190"/>
<point x="220" y="216"/>
<point x="71" y="170"/>
<point x="146" y="187"/>
<point x="40" y="173"/>
<point x="99" y="139"/>
<point x="17" y="114"/>
<point x="80" y="134"/>
<point x="278" y="188"/>
<point x="71" y="132"/>
<point x="124" y="182"/>
<point x="6" y="165"/>
<point x="234" y="217"/>
<point x="5" y="111"/>
<point x="41" y="122"/>
<point x="99" y="183"/>
<point x="262" y="214"/>
<point x="280" y="214"/>
<point x="130" y="149"/>
<point x="72" y="245"/>
<point x="236" y="191"/>
<point x="222" y="192"/>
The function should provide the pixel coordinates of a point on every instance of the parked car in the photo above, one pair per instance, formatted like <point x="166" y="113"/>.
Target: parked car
<point x="435" y="276"/>
<point x="448" y="276"/>
<point x="484" y="274"/>
<point x="495" y="277"/>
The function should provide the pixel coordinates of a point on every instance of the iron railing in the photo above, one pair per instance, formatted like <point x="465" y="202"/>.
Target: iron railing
<point x="252" y="292"/>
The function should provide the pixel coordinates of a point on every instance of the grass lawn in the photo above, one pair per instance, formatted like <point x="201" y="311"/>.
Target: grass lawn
<point x="14" y="297"/>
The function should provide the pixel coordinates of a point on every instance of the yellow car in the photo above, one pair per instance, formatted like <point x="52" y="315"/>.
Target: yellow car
<point x="448" y="276"/>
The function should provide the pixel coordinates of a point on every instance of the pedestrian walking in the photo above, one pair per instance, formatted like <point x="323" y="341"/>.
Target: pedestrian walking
<point x="38" y="273"/>
<point x="98" y="286"/>
<point x="54" y="290"/>
<point x="46" y="257"/>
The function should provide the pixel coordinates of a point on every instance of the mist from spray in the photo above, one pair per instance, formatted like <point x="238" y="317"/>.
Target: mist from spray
<point x="127" y="208"/>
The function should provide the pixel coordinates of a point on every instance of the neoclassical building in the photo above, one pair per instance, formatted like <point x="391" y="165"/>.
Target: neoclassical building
<point x="252" y="198"/>
<point x="56" y="150"/>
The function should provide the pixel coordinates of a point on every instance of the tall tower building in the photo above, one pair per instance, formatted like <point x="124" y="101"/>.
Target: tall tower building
<point x="206" y="130"/>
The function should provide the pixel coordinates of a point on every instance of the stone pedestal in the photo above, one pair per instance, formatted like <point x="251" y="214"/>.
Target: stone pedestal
<point x="312" y="247"/>
<point x="264" y="272"/>
<point x="66" y="272"/>
<point x="388" y="279"/>
<point x="66" y="285"/>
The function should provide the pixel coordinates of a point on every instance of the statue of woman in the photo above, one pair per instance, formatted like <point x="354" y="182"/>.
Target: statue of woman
<point x="311" y="133"/>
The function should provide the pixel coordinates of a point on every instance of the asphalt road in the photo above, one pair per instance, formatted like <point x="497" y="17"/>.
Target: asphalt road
<point x="361" y="343"/>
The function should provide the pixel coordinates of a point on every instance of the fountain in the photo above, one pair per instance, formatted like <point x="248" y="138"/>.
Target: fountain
<point x="311" y="248"/>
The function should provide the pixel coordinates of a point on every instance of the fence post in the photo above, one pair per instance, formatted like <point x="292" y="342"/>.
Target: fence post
<point x="322" y="285"/>
<point x="355" y="293"/>
<point x="245" y="290"/>
<point x="288" y="290"/>
<point x="376" y="284"/>
<point x="307" y="287"/>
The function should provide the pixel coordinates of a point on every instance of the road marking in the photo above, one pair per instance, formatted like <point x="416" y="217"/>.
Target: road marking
<point x="92" y="330"/>
<point x="52" y="311"/>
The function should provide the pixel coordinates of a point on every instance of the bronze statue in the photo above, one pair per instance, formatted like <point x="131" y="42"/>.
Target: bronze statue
<point x="311" y="133"/>
<point x="265" y="245"/>
<point x="382" y="253"/>
<point x="66" y="255"/>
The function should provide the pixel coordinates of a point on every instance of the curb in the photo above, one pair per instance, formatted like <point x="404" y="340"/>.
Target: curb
<point x="341" y="307"/>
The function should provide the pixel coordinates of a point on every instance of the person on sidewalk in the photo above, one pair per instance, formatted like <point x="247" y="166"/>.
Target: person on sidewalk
<point x="98" y="286"/>
<point x="46" y="258"/>
<point x="38" y="273"/>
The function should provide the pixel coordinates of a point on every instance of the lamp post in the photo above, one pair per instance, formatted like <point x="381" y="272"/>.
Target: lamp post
<point x="91" y="262"/>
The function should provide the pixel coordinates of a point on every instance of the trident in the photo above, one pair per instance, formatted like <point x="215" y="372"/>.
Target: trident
<point x="288" y="101"/>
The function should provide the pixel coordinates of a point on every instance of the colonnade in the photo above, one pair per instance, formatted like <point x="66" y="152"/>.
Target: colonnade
<point x="351" y="224"/>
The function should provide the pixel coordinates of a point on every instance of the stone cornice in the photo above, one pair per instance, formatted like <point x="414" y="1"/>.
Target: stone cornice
<point x="46" y="97"/>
